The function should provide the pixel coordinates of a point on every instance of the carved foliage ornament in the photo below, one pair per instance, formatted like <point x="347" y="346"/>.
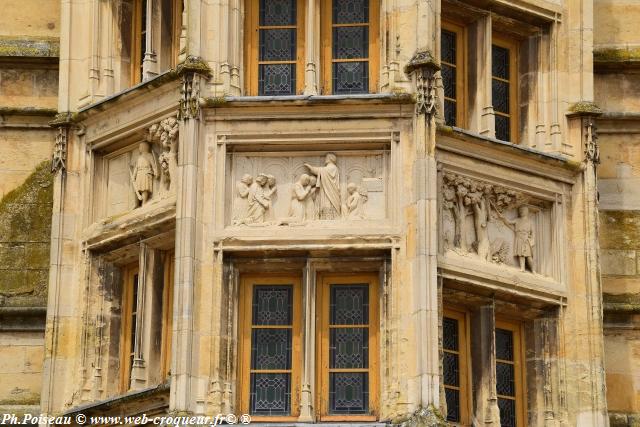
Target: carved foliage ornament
<point x="59" y="158"/>
<point x="485" y="202"/>
<point x="189" y="107"/>
<point x="591" y="149"/>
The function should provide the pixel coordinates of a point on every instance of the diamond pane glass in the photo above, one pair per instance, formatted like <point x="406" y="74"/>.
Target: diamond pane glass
<point x="277" y="12"/>
<point x="350" y="42"/>
<point x="349" y="348"/>
<point x="272" y="305"/>
<point x="449" y="80"/>
<point x="500" y="96"/>
<point x="504" y="344"/>
<point x="348" y="393"/>
<point x="278" y="45"/>
<point x="277" y="79"/>
<point x="453" y="404"/>
<point x="448" y="46"/>
<point x="271" y="349"/>
<point x="450" y="112"/>
<point x="350" y="11"/>
<point x="500" y="62"/>
<point x="349" y="305"/>
<point x="450" y="334"/>
<point x="270" y="394"/>
<point x="350" y="77"/>
<point x="450" y="369"/>
<point x="503" y="128"/>
<point x="507" y="412"/>
<point x="505" y="379"/>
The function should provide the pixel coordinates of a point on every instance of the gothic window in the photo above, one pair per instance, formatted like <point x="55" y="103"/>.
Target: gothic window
<point x="274" y="47"/>
<point x="347" y="343"/>
<point x="270" y="346"/>
<point x="503" y="88"/>
<point x="129" y="324"/>
<point x="452" y="43"/>
<point x="350" y="46"/>
<point x="454" y="366"/>
<point x="509" y="374"/>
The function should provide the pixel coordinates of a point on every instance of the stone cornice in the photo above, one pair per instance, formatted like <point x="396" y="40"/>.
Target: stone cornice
<point x="29" y="47"/>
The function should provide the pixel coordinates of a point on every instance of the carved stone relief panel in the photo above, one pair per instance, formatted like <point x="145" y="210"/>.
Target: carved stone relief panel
<point x="497" y="224"/>
<point x="296" y="189"/>
<point x="143" y="172"/>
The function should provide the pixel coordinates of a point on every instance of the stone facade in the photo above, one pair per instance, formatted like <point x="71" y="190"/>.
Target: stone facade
<point x="173" y="187"/>
<point x="29" y="48"/>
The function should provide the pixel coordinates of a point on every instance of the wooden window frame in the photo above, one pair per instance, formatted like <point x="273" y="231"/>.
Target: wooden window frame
<point x="137" y="54"/>
<point x="464" y="363"/>
<point x="322" y="344"/>
<point x="126" y="344"/>
<point x="167" y="315"/>
<point x="461" y="70"/>
<point x="326" y="35"/>
<point x="518" y="367"/>
<point x="512" y="45"/>
<point x="244" y="343"/>
<point x="176" y="27"/>
<point x="252" y="46"/>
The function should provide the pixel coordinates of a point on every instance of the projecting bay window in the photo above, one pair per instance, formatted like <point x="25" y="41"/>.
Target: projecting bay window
<point x="509" y="374"/>
<point x="350" y="46"/>
<point x="275" y="47"/>
<point x="504" y="93"/>
<point x="271" y="356"/>
<point x="452" y="42"/>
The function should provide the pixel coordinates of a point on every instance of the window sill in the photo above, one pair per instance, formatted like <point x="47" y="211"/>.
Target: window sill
<point x="401" y="98"/>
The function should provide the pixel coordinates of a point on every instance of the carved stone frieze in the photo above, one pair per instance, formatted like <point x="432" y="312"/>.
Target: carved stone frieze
<point x="292" y="191"/>
<point x="492" y="222"/>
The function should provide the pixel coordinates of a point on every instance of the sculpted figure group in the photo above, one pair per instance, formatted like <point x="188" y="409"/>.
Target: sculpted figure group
<point x="463" y="197"/>
<point x="145" y="171"/>
<point x="314" y="196"/>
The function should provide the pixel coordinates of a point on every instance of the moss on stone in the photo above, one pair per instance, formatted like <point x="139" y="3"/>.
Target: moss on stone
<point x="585" y="108"/>
<point x="193" y="64"/>
<point x="620" y="230"/>
<point x="625" y="54"/>
<point x="215" y="102"/>
<point x="43" y="47"/>
<point x="25" y="229"/>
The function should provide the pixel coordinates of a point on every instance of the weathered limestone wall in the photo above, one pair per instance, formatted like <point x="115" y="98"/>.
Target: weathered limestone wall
<point x="617" y="55"/>
<point x="28" y="98"/>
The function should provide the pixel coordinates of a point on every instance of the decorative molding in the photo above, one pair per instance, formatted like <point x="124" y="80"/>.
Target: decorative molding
<point x="59" y="157"/>
<point x="425" y="66"/>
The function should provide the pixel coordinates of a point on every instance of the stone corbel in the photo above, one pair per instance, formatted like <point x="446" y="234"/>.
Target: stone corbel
<point x="191" y="71"/>
<point x="425" y="66"/>
<point x="587" y="113"/>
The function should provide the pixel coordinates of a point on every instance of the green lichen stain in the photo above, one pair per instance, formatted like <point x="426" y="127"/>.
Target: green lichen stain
<point x="627" y="54"/>
<point x="620" y="230"/>
<point x="25" y="229"/>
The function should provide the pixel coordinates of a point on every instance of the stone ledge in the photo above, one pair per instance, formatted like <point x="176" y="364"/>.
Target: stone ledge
<point x="149" y="398"/>
<point x="30" y="47"/>
<point x="22" y="319"/>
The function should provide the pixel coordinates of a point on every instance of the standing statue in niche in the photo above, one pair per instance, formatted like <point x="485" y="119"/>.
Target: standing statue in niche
<point x="143" y="173"/>
<point x="354" y="206"/>
<point x="241" y="208"/>
<point x="328" y="183"/>
<point x="524" y="241"/>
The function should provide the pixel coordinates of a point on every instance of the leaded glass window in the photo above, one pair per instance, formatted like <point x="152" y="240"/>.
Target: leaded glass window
<point x="502" y="90"/>
<point x="451" y="367"/>
<point x="274" y="51"/>
<point x="506" y="377"/>
<point x="350" y="45"/>
<point x="451" y="74"/>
